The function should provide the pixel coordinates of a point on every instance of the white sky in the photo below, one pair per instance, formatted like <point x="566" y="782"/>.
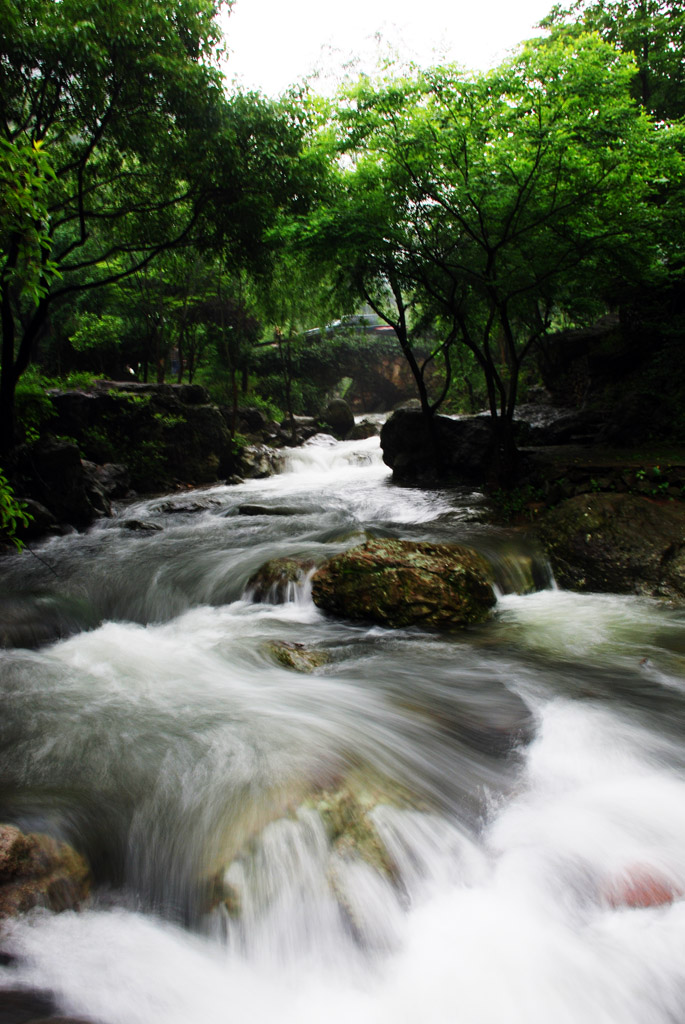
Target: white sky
<point x="275" y="43"/>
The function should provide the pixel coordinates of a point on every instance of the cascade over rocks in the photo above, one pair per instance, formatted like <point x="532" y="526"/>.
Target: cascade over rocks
<point x="617" y="543"/>
<point x="276" y="578"/>
<point x="403" y="583"/>
<point x="408" y="443"/>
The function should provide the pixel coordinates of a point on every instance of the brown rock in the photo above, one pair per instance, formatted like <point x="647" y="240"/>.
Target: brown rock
<point x="38" y="871"/>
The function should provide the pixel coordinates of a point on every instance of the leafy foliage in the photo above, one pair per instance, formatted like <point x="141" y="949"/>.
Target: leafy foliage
<point x="12" y="514"/>
<point x="652" y="31"/>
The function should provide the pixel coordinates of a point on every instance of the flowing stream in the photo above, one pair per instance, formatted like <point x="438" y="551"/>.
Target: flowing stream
<point x="424" y="829"/>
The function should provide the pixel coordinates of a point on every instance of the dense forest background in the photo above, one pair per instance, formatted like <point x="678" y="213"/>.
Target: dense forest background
<point x="155" y="227"/>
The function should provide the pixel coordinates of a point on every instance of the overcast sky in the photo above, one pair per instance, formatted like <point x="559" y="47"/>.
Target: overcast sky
<point x="274" y="43"/>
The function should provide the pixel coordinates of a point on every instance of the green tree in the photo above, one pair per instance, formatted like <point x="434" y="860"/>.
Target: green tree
<point x="652" y="30"/>
<point x="490" y="203"/>
<point x="125" y="98"/>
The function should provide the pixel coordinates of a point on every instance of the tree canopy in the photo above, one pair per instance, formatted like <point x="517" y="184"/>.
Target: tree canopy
<point x="489" y="205"/>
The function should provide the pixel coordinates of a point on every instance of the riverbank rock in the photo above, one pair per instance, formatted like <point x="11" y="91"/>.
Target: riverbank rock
<point x="403" y="583"/>
<point x="163" y="433"/>
<point x="51" y="473"/>
<point x="38" y="871"/>
<point x="617" y="543"/>
<point x="464" y="447"/>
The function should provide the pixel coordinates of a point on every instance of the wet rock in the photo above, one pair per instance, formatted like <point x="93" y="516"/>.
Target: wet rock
<point x="257" y="461"/>
<point x="162" y="432"/>
<point x="402" y="583"/>
<point x="362" y="430"/>
<point x="96" y="492"/>
<point x="38" y="871"/>
<point x="352" y="833"/>
<point x="250" y="419"/>
<point x="270" y="510"/>
<point x="185" y="508"/>
<point x="617" y="543"/>
<point x="276" y="579"/>
<point x="298" y="656"/>
<point x="338" y="417"/>
<point x="140" y="526"/>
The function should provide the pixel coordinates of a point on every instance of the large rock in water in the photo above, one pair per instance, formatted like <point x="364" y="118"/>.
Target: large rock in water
<point x="617" y="543"/>
<point x="338" y="417"/>
<point x="38" y="871"/>
<point x="408" y="447"/>
<point x="403" y="583"/>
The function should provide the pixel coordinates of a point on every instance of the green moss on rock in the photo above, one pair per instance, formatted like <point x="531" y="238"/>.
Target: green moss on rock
<point x="617" y="543"/>
<point x="403" y="583"/>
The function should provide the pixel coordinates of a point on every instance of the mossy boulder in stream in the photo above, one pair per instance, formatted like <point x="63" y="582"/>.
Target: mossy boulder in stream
<point x="404" y="583"/>
<point x="617" y="543"/>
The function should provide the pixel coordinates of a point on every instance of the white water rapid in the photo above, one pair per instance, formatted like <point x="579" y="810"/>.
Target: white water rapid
<point x="465" y="829"/>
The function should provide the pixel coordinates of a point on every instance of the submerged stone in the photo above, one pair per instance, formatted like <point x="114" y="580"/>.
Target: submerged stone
<point x="297" y="656"/>
<point x="404" y="583"/>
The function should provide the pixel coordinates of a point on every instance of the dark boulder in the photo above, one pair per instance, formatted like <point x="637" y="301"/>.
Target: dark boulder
<point x="617" y="543"/>
<point x="338" y="418"/>
<point x="114" y="479"/>
<point x="419" y="451"/>
<point x="51" y="473"/>
<point x="271" y="510"/>
<point x="196" y="443"/>
<point x="402" y="583"/>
